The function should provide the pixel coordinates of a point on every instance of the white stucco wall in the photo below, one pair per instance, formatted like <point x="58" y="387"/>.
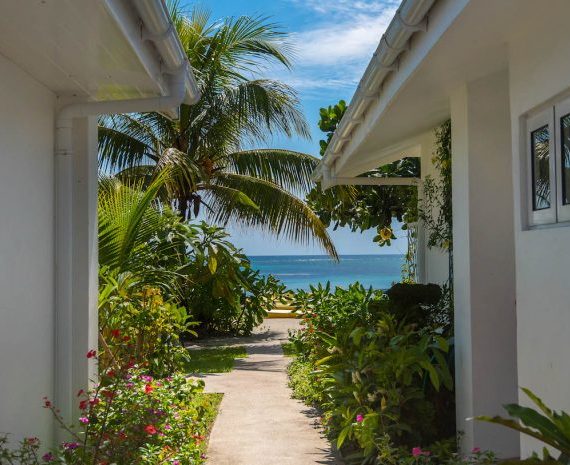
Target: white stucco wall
<point x="26" y="252"/>
<point x="540" y="70"/>
<point x="484" y="261"/>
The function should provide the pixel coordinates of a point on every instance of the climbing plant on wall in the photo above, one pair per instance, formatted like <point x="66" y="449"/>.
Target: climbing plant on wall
<point x="435" y="206"/>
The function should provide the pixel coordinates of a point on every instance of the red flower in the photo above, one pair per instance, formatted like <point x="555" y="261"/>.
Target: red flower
<point x="92" y="353"/>
<point x="80" y="393"/>
<point x="111" y="373"/>
<point x="150" y="429"/>
<point x="115" y="333"/>
<point x="126" y="338"/>
<point x="83" y="404"/>
<point x="148" y="388"/>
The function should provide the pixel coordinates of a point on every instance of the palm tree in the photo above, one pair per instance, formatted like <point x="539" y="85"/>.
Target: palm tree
<point x="255" y="187"/>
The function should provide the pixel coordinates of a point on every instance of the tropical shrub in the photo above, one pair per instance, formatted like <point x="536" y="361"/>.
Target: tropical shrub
<point x="138" y="326"/>
<point x="224" y="293"/>
<point x="377" y="366"/>
<point x="544" y="424"/>
<point x="190" y="268"/>
<point x="129" y="418"/>
<point x="327" y="310"/>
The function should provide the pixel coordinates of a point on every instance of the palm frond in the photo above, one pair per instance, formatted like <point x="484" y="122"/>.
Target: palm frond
<point x="127" y="220"/>
<point x="280" y="212"/>
<point x="288" y="169"/>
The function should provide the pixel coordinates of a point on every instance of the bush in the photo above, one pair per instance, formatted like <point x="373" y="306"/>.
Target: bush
<point x="305" y="385"/>
<point x="130" y="418"/>
<point x="378" y="366"/>
<point x="137" y="326"/>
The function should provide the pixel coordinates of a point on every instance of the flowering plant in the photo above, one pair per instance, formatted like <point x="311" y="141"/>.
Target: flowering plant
<point x="130" y="417"/>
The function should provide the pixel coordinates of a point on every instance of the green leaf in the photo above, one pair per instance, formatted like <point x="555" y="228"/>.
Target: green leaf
<point x="212" y="264"/>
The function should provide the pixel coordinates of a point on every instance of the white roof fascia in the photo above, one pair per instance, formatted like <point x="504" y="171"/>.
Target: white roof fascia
<point x="148" y="21"/>
<point x="370" y="99"/>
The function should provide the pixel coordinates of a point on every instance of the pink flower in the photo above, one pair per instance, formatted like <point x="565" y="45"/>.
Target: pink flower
<point x="359" y="418"/>
<point x="70" y="445"/>
<point x="417" y="451"/>
<point x="47" y="457"/>
<point x="146" y="378"/>
<point x="476" y="450"/>
<point x="84" y="420"/>
<point x="150" y="429"/>
<point x="176" y="462"/>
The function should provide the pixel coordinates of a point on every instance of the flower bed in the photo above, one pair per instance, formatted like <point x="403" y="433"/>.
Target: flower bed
<point x="130" y="418"/>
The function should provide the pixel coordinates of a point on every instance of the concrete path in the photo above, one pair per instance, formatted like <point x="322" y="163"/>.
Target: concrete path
<point x="259" y="423"/>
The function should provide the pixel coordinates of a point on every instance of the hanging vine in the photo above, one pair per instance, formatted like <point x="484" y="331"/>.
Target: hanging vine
<point x="435" y="207"/>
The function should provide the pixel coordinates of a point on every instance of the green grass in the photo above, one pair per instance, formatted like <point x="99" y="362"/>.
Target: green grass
<point x="209" y="404"/>
<point x="288" y="349"/>
<point x="215" y="359"/>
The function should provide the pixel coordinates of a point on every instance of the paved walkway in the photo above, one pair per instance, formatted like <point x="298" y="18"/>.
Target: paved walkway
<point x="259" y="423"/>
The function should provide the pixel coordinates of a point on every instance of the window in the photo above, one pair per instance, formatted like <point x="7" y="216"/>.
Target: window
<point x="541" y="173"/>
<point x="549" y="165"/>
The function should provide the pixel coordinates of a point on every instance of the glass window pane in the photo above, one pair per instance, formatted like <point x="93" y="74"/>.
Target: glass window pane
<point x="540" y="147"/>
<point x="565" y="155"/>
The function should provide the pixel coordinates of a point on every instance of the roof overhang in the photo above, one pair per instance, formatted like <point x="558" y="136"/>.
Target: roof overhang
<point x="95" y="50"/>
<point x="464" y="40"/>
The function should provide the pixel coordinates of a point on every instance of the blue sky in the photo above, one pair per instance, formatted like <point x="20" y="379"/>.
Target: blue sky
<point x="333" y="43"/>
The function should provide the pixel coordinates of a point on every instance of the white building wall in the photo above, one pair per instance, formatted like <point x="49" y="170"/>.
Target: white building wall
<point x="26" y="253"/>
<point x="484" y="261"/>
<point x="540" y="70"/>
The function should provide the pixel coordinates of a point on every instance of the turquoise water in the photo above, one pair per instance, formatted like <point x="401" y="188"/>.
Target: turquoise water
<point x="299" y="271"/>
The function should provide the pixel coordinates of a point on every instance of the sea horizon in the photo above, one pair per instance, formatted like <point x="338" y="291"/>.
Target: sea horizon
<point x="379" y="271"/>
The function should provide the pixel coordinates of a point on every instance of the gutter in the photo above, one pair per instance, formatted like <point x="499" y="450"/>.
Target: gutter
<point x="328" y="181"/>
<point x="153" y="37"/>
<point x="410" y="18"/>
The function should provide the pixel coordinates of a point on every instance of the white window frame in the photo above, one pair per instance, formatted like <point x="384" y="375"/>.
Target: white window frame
<point x="561" y="109"/>
<point x="547" y="215"/>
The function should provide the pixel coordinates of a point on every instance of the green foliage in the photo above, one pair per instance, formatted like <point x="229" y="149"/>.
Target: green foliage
<point x="365" y="207"/>
<point x="544" y="424"/>
<point x="130" y="418"/>
<point x="145" y="245"/>
<point x="138" y="326"/>
<point x="436" y="206"/>
<point x="327" y="310"/>
<point x="288" y="349"/>
<point x="305" y="384"/>
<point x="330" y="118"/>
<point x="381" y="377"/>
<point x="214" y="360"/>
<point x="238" y="107"/>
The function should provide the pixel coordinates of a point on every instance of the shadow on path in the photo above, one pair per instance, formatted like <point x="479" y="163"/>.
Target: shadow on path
<point x="259" y="423"/>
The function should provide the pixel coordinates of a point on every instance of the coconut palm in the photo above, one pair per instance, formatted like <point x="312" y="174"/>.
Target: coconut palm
<point x="238" y="109"/>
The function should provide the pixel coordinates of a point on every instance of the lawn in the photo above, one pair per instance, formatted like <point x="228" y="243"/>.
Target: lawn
<point x="215" y="359"/>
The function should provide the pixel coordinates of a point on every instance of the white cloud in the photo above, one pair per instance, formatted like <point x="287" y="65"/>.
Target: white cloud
<point x="333" y="51"/>
<point x="342" y="42"/>
<point x="348" y="6"/>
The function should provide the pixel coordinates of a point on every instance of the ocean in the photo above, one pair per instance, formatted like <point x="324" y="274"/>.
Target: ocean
<point x="300" y="271"/>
